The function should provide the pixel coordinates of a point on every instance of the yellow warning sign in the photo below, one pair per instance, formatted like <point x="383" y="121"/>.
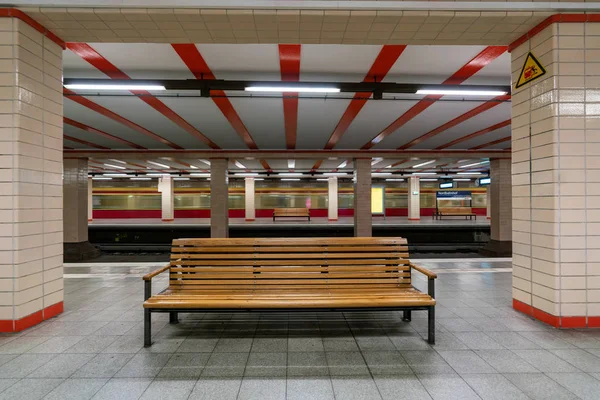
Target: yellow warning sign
<point x="532" y="69"/>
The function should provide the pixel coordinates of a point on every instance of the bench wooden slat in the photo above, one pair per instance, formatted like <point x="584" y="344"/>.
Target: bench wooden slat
<point x="289" y="263"/>
<point x="269" y="242"/>
<point x="282" y="256"/>
<point x="330" y="268"/>
<point x="279" y="249"/>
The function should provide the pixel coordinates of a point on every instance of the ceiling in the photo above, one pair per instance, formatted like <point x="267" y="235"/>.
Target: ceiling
<point x="234" y="121"/>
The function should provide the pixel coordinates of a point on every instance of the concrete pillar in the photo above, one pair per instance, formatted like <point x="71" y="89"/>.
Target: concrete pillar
<point x="488" y="201"/>
<point x="90" y="199"/>
<point x="250" y="200"/>
<point x="500" y="205"/>
<point x="31" y="160"/>
<point x="165" y="187"/>
<point x="75" y="219"/>
<point x="332" y="198"/>
<point x="219" y="207"/>
<point x="555" y="177"/>
<point x="362" y="198"/>
<point x="414" y="198"/>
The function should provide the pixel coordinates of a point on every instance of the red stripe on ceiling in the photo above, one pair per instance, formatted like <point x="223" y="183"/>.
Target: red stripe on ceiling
<point x="475" y="134"/>
<point x="71" y="95"/>
<point x="90" y="55"/>
<point x="88" y="128"/>
<point x="482" y="59"/>
<point x="191" y="57"/>
<point x="458" y="120"/>
<point x="85" y="142"/>
<point x="483" y="146"/>
<point x="289" y="65"/>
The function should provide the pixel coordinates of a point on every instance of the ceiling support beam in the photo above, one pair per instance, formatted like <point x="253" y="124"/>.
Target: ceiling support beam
<point x="85" y="142"/>
<point x="475" y="134"/>
<point x="493" y="143"/>
<point x="488" y="55"/>
<point x="289" y="66"/>
<point x="90" y="129"/>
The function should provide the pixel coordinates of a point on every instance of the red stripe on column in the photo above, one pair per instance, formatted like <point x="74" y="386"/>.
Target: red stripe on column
<point x="88" y="128"/>
<point x="85" y="142"/>
<point x="483" y="146"/>
<point x="192" y="58"/>
<point x="90" y="55"/>
<point x="475" y="134"/>
<point x="458" y="120"/>
<point x="488" y="55"/>
<point x="289" y="65"/>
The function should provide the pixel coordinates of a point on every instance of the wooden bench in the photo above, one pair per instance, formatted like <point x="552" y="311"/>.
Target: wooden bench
<point x="275" y="274"/>
<point x="291" y="212"/>
<point x="466" y="212"/>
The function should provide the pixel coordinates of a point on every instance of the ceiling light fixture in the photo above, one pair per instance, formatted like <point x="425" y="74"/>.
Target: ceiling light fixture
<point x="119" y="161"/>
<point x="335" y="174"/>
<point x="291" y="89"/>
<point x="139" y="178"/>
<point x="290" y="174"/>
<point x="422" y="164"/>
<point x="291" y="164"/>
<point x="380" y="174"/>
<point x="159" y="164"/>
<point x="395" y="180"/>
<point x="429" y="180"/>
<point x="158" y="174"/>
<point x="290" y="179"/>
<point x="101" y="178"/>
<point x="461" y="180"/>
<point x="474" y="164"/>
<point x="462" y="92"/>
<point x="240" y="165"/>
<point x="200" y="175"/>
<point x="245" y="174"/>
<point x="204" y="161"/>
<point x="114" y="166"/>
<point x="342" y="165"/>
<point x="97" y="86"/>
<point x="424" y="173"/>
<point x="181" y="179"/>
<point x="193" y="166"/>
<point x="468" y="173"/>
<point x="376" y="160"/>
<point x="115" y="175"/>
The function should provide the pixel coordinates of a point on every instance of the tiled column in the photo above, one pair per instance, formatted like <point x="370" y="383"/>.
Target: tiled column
<point x="500" y="205"/>
<point x="556" y="178"/>
<point x="362" y="198"/>
<point x="75" y="219"/>
<point x="488" y="201"/>
<point x="332" y="198"/>
<point x="250" y="200"/>
<point x="219" y="198"/>
<point x="31" y="160"/>
<point x="165" y="187"/>
<point x="90" y="199"/>
<point x="414" y="198"/>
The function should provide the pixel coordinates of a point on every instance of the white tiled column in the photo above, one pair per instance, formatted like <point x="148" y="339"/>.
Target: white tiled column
<point x="250" y="200"/>
<point x="488" y="200"/>
<point x="332" y="198"/>
<point x="90" y="199"/>
<point x="500" y="198"/>
<point x="414" y="198"/>
<point x="31" y="160"/>
<point x="165" y="187"/>
<point x="219" y="198"/>
<point x="363" y="219"/>
<point x="556" y="178"/>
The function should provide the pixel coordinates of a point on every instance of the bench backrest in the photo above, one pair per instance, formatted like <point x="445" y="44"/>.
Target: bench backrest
<point x="456" y="210"/>
<point x="289" y="263"/>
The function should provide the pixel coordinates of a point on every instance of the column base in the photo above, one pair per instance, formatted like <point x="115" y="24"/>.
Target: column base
<point x="414" y="219"/>
<point x="81" y="251"/>
<point x="497" y="248"/>
<point x="332" y="219"/>
<point x="168" y="219"/>
<point x="557" y="321"/>
<point x="250" y="219"/>
<point x="32" y="319"/>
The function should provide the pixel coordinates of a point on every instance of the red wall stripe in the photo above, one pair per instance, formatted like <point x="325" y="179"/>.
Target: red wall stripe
<point x="88" y="128"/>
<point x="85" y="142"/>
<point x="71" y="95"/>
<point x="289" y="66"/>
<point x="489" y="54"/>
<point x="483" y="146"/>
<point x="475" y="134"/>
<point x="458" y="120"/>
<point x="15" y="13"/>
<point x="90" y="55"/>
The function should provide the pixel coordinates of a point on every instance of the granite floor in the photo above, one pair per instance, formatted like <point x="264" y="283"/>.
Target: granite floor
<point x="484" y="348"/>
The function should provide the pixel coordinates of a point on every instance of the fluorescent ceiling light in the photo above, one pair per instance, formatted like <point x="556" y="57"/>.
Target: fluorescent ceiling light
<point x="179" y="178"/>
<point x="422" y="164"/>
<point x="424" y="173"/>
<point x="468" y="173"/>
<point x="342" y="165"/>
<point x="158" y="174"/>
<point x="389" y="166"/>
<point x="429" y="180"/>
<point x="140" y="179"/>
<point x="380" y="174"/>
<point x="322" y="179"/>
<point x="474" y="164"/>
<point x="114" y="166"/>
<point x="240" y="165"/>
<point x="461" y="180"/>
<point x="204" y="161"/>
<point x="193" y="166"/>
<point x="290" y="179"/>
<point x="96" y="86"/>
<point x="200" y="175"/>
<point x="245" y="174"/>
<point x="335" y="174"/>
<point x="159" y="164"/>
<point x="290" y="174"/>
<point x="376" y="160"/>
<point x="101" y="178"/>
<point x="259" y="179"/>
<point x="119" y="161"/>
<point x="462" y="92"/>
<point x="295" y="89"/>
<point x="395" y="180"/>
<point x="115" y="175"/>
<point x="291" y="164"/>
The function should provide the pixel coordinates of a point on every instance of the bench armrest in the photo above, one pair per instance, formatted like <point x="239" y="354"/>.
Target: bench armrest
<point x="424" y="271"/>
<point x="152" y="274"/>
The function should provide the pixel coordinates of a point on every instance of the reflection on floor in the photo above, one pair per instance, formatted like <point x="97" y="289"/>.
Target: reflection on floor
<point x="484" y="348"/>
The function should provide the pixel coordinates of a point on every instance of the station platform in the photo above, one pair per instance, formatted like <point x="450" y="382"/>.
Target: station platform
<point x="448" y="235"/>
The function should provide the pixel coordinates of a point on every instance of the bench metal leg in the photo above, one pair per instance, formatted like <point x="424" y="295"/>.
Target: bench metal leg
<point x="147" y="328"/>
<point x="173" y="318"/>
<point x="431" y="325"/>
<point x="407" y="316"/>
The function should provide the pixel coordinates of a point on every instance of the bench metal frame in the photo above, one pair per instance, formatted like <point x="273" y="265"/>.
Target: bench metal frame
<point x="174" y="312"/>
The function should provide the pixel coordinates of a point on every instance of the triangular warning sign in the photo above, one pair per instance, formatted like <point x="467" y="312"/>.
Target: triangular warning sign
<point x="532" y="69"/>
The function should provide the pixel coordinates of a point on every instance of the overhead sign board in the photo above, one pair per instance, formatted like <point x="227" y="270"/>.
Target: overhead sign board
<point x="532" y="69"/>
<point x="454" y="194"/>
